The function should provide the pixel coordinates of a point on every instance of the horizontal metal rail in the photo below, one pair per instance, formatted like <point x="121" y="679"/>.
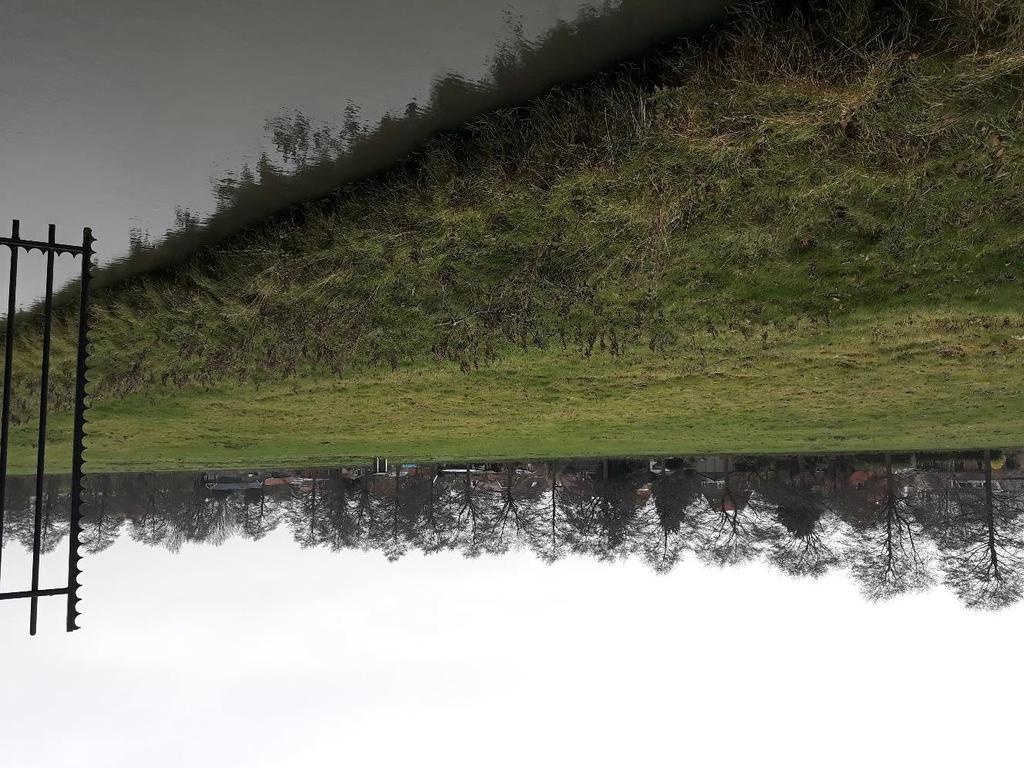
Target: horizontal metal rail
<point x="42" y="245"/>
<point x="30" y="593"/>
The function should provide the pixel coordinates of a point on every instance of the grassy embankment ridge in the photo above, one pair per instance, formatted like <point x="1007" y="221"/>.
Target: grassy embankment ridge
<point x="799" y="234"/>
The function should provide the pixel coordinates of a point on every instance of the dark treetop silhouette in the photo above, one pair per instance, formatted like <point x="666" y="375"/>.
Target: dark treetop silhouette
<point x="897" y="523"/>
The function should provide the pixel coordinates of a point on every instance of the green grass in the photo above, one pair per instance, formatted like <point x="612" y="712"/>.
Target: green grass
<point x="540" y="283"/>
<point x="927" y="381"/>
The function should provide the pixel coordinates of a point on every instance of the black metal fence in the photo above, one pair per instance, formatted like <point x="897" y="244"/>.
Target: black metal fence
<point x="51" y="249"/>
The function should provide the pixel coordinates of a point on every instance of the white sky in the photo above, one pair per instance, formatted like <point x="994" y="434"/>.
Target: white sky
<point x="263" y="654"/>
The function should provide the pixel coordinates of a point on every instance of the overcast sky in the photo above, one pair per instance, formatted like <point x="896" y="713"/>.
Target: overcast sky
<point x="264" y="654"/>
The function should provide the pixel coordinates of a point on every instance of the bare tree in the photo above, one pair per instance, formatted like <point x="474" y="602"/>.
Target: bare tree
<point x="984" y="546"/>
<point x="798" y="537"/>
<point x="675" y="497"/>
<point x="888" y="558"/>
<point x="729" y="531"/>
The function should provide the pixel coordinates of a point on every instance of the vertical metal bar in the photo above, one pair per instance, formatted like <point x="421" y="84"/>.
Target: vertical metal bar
<point x="78" y="448"/>
<point x="9" y="354"/>
<point x="44" y="392"/>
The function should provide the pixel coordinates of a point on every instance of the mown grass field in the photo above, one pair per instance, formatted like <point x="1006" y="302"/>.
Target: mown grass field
<point x="934" y="380"/>
<point x="801" y="233"/>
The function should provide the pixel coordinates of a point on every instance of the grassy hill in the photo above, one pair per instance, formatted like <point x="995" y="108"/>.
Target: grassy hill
<point x="803" y="232"/>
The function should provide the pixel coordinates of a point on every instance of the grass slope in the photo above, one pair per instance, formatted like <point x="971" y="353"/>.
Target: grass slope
<point x="657" y="260"/>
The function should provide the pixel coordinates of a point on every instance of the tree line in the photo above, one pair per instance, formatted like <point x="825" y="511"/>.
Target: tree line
<point x="897" y="524"/>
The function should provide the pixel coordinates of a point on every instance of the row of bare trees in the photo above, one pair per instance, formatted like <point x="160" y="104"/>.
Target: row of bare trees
<point x="897" y="525"/>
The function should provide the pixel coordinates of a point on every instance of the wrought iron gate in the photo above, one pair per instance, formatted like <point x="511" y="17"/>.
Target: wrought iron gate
<point x="50" y="249"/>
